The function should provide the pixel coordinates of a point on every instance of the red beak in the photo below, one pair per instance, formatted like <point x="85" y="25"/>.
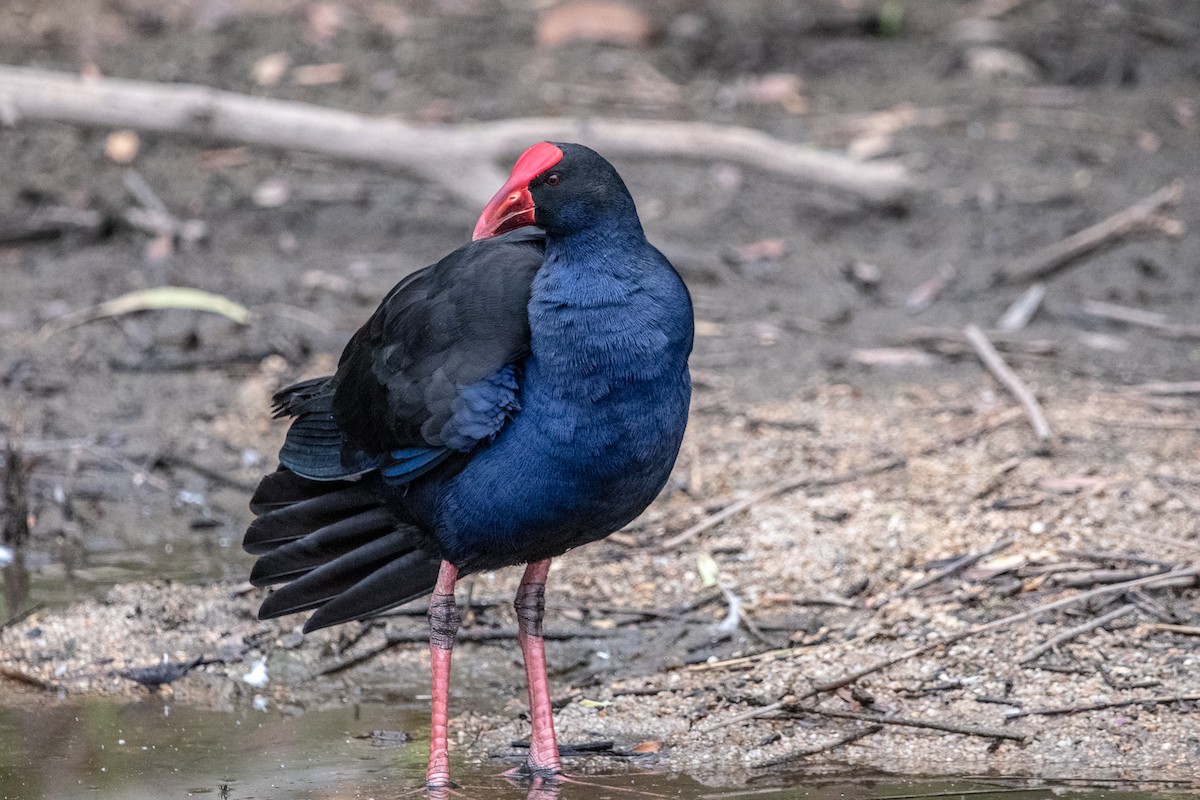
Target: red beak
<point x="512" y="206"/>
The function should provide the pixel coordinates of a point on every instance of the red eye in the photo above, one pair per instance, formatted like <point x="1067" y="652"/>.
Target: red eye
<point x="552" y="179"/>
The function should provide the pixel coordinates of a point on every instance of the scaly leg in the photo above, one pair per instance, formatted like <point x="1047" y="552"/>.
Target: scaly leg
<point x="443" y="627"/>
<point x="543" y="763"/>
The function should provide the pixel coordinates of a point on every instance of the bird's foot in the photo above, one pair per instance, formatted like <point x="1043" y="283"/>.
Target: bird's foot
<point x="545" y="784"/>
<point x="442" y="791"/>
<point x="536" y="774"/>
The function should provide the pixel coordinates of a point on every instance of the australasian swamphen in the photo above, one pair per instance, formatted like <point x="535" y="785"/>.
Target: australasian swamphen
<point x="525" y="395"/>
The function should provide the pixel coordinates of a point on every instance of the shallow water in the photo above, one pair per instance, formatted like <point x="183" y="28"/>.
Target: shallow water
<point x="153" y="750"/>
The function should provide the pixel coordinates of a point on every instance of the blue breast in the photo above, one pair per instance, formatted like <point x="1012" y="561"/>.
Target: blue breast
<point x="604" y="403"/>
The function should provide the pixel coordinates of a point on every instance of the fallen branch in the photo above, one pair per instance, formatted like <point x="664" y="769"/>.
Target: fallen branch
<point x="948" y="727"/>
<point x="995" y="364"/>
<point x="1046" y="712"/>
<point x="460" y="158"/>
<point x="805" y="752"/>
<point x="1070" y="633"/>
<point x="1143" y="216"/>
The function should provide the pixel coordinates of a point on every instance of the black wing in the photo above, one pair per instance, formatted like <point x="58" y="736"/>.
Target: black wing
<point x="435" y="370"/>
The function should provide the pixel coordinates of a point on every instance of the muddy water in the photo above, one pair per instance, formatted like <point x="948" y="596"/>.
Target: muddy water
<point x="153" y="750"/>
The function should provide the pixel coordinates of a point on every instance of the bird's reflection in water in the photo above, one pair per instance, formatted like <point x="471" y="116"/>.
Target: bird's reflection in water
<point x="539" y="790"/>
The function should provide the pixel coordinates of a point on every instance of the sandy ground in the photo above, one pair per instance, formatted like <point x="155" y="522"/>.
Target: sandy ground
<point x="820" y="574"/>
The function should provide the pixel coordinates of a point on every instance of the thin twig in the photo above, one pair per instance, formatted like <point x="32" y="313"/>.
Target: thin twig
<point x="1046" y="712"/>
<point x="954" y="566"/>
<point x="1070" y="633"/>
<point x="805" y="752"/>
<point x="1144" y="215"/>
<point x="783" y="487"/>
<point x="995" y="364"/>
<point x="1166" y="388"/>
<point x="1156" y="321"/>
<point x="18" y="676"/>
<point x="949" y="727"/>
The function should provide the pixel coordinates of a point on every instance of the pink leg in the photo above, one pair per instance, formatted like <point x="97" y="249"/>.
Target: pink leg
<point x="543" y="763"/>
<point x="443" y="627"/>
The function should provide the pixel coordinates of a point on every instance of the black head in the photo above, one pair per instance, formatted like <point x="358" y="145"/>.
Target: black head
<point x="563" y="188"/>
<point x="581" y="191"/>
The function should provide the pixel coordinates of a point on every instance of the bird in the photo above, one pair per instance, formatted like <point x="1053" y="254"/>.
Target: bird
<point x="525" y="395"/>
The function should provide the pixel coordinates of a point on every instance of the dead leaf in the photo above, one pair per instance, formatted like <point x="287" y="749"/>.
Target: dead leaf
<point x="271" y="193"/>
<point x="155" y="299"/>
<point x="611" y="22"/>
<point x="159" y="249"/>
<point x="1073" y="484"/>
<point x="997" y="565"/>
<point x="586" y="703"/>
<point x="651" y="746"/>
<point x="1148" y="141"/>
<point x="319" y="74"/>
<point x="783" y="89"/>
<point x="324" y="20"/>
<point x="122" y="146"/>
<point x="270" y="69"/>
<point x="225" y="157"/>
<point x="892" y="357"/>
<point x="762" y="250"/>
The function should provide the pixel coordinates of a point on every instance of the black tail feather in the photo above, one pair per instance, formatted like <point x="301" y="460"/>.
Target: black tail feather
<point x="289" y="561"/>
<point x="416" y="572"/>
<point x="331" y="541"/>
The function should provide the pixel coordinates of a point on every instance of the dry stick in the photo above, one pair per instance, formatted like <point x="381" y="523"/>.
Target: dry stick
<point x="995" y="364"/>
<point x="783" y="487"/>
<point x="805" y="752"/>
<point x="954" y="566"/>
<point x="460" y="158"/>
<point x="1154" y="320"/>
<point x="1185" y="630"/>
<point x="1166" y="388"/>
<point x="1144" y="215"/>
<point x="949" y="727"/>
<point x="975" y="630"/>
<point x="1078" y="630"/>
<point x="1158" y="700"/>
